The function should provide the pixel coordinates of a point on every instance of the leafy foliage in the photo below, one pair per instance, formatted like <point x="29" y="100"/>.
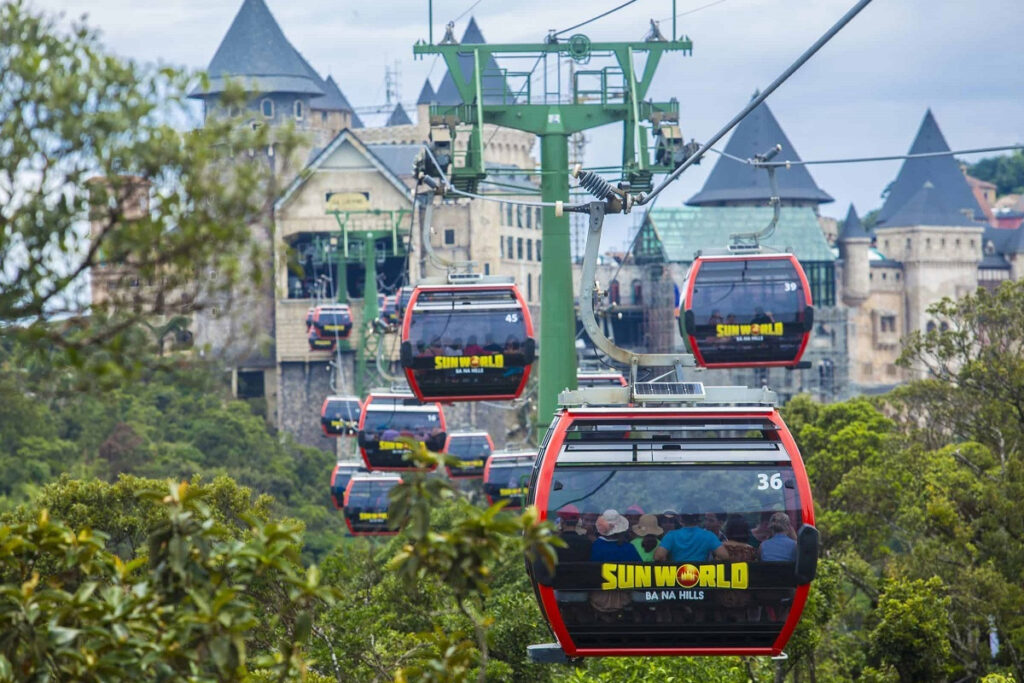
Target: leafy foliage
<point x="1006" y="171"/>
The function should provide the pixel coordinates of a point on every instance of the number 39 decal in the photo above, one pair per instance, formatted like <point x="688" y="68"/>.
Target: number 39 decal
<point x="766" y="481"/>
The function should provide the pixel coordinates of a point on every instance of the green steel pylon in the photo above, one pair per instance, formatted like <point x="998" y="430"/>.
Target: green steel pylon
<point x="616" y="95"/>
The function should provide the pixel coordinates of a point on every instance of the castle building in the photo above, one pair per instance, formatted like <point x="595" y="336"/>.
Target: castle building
<point x="734" y="201"/>
<point x="318" y="258"/>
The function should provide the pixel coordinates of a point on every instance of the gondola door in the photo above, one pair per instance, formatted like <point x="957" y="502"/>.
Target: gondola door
<point x="387" y="419"/>
<point x="467" y="342"/>
<point x="679" y="469"/>
<point x="746" y="311"/>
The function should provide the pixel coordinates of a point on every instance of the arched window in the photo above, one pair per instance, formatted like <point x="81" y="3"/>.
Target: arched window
<point x="930" y="326"/>
<point x="638" y="293"/>
<point x="298" y="110"/>
<point x="267" y="107"/>
<point x="613" y="292"/>
<point x="529" y="218"/>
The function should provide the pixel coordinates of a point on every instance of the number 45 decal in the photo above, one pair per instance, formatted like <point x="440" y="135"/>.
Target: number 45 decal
<point x="766" y="481"/>
<point x="512" y="318"/>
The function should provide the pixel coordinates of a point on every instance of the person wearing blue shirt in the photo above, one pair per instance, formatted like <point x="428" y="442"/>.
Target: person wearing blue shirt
<point x="690" y="543"/>
<point x="611" y="544"/>
<point x="780" y="547"/>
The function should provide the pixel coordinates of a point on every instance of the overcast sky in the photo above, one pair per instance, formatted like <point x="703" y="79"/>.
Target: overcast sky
<point x="864" y="94"/>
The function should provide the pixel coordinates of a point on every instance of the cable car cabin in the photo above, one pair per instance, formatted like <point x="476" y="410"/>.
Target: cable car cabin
<point x="507" y="477"/>
<point x="746" y="311"/>
<point x="472" y="449"/>
<point x="318" y="343"/>
<point x="389" y="311"/>
<point x="388" y="417"/>
<point x="366" y="504"/>
<point x="332" y="321"/>
<point x="342" y="472"/>
<point x="467" y="342"/>
<point x="600" y="379"/>
<point x="402" y="298"/>
<point x="339" y="415"/>
<point x="642" y="497"/>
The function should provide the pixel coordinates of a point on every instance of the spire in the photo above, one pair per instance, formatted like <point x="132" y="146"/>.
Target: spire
<point x="852" y="227"/>
<point x="427" y="94"/>
<point x="944" y="175"/>
<point x="399" y="117"/>
<point x="492" y="84"/>
<point x="734" y="181"/>
<point x="256" y="52"/>
<point x="930" y="206"/>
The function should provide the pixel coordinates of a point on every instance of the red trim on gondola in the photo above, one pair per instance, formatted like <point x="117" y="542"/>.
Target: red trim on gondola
<point x="323" y="411"/>
<point x="366" y="459"/>
<point x="691" y="278"/>
<point x="334" y="474"/>
<point x="348" y="522"/>
<point x="527" y="319"/>
<point x="540" y="495"/>
<point x="452" y="474"/>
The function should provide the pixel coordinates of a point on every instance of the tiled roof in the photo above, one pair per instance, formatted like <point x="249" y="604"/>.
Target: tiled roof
<point x="945" y="177"/>
<point x="398" y="158"/>
<point x="994" y="262"/>
<point x="256" y="53"/>
<point x="492" y="84"/>
<point x="735" y="181"/>
<point x="399" y="117"/>
<point x="929" y="206"/>
<point x="688" y="229"/>
<point x="852" y="227"/>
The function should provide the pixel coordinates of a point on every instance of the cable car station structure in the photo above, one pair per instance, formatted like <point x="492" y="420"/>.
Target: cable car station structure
<point x="561" y="110"/>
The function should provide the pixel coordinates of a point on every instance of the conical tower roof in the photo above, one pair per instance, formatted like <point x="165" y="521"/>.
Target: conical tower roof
<point x="734" y="181"/>
<point x="929" y="206"/>
<point x="427" y="94"/>
<point x="492" y="84"/>
<point x="945" y="177"/>
<point x="335" y="100"/>
<point x="256" y="53"/>
<point x="399" y="117"/>
<point x="852" y="227"/>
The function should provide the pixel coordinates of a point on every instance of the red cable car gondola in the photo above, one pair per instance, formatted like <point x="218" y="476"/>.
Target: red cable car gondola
<point x="473" y="449"/>
<point x="750" y="310"/>
<point x="674" y="465"/>
<point x="366" y="504"/>
<point x="467" y="342"/>
<point x="507" y="477"/>
<point x="332" y="321"/>
<point x="388" y="417"/>
<point x="587" y="378"/>
<point x="339" y="415"/>
<point x="342" y="472"/>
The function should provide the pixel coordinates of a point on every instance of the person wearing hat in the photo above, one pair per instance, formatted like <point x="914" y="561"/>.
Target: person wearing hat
<point x="647" y="534"/>
<point x="577" y="547"/>
<point x="611" y="544"/>
<point x="690" y="543"/>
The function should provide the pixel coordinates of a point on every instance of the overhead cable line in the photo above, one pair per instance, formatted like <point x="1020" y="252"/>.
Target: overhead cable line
<point x="857" y="160"/>
<point x="695" y="9"/>
<point x="592" y="19"/>
<point x="470" y="9"/>
<point x="754" y="103"/>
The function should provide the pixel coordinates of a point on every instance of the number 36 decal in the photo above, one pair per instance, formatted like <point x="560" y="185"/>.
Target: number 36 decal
<point x="766" y="481"/>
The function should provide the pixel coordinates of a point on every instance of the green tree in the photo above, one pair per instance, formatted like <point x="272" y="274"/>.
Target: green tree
<point x="90" y="139"/>
<point x="1006" y="171"/>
